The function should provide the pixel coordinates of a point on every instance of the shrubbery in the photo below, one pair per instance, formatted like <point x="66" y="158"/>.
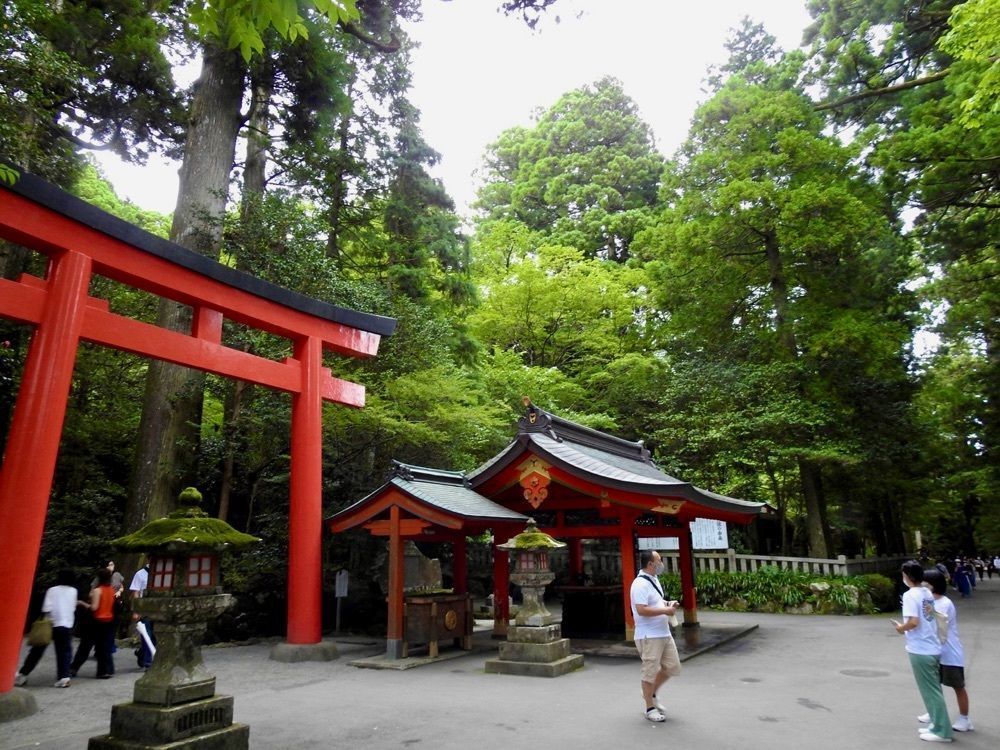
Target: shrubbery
<point x="774" y="589"/>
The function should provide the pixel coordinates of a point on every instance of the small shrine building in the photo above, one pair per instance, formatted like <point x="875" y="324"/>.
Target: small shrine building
<point x="576" y="482"/>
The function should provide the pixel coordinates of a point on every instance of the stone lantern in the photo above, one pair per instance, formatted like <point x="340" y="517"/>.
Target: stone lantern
<point x="175" y="701"/>
<point x="530" y="553"/>
<point x="534" y="645"/>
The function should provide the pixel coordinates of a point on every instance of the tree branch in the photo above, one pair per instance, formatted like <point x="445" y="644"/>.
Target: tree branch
<point x="911" y="84"/>
<point x="391" y="46"/>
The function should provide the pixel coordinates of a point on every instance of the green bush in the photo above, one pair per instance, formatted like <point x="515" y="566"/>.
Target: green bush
<point x="774" y="589"/>
<point x="882" y="591"/>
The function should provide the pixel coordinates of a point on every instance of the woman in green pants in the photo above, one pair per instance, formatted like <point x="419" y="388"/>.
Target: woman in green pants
<point x="924" y="649"/>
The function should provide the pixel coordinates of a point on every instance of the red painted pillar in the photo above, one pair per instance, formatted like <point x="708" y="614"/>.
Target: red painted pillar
<point x="626" y="541"/>
<point x="33" y="443"/>
<point x="459" y="565"/>
<point x="688" y="595"/>
<point x="501" y="590"/>
<point x="305" y="506"/>
<point x="576" y="561"/>
<point x="394" y="631"/>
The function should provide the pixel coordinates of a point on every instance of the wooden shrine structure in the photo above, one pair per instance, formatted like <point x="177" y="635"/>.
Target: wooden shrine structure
<point x="576" y="482"/>
<point x="427" y="505"/>
<point x="81" y="241"/>
<point x="579" y="483"/>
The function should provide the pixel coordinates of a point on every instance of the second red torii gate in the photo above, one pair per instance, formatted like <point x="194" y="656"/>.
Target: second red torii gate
<point x="80" y="241"/>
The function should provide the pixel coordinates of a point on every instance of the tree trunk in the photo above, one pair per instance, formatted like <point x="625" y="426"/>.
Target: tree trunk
<point x="812" y="488"/>
<point x="779" y="296"/>
<point x="254" y="186"/>
<point x="339" y="198"/>
<point x="780" y="503"/>
<point x="171" y="415"/>
<point x="816" y="525"/>
<point x="258" y="135"/>
<point x="234" y="407"/>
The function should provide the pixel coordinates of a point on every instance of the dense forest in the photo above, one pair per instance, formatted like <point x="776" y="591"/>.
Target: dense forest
<point x="800" y="306"/>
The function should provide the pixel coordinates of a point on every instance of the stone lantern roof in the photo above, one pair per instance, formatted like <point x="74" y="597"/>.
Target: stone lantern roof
<point x="187" y="529"/>
<point x="531" y="538"/>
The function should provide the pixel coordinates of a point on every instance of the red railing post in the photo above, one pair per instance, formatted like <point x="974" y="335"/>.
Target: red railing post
<point x="688" y="594"/>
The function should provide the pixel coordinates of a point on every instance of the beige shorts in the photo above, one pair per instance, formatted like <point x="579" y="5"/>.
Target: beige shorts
<point x="658" y="654"/>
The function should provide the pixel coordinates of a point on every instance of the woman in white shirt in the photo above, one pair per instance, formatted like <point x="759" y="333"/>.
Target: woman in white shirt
<point x="59" y="606"/>
<point x="952" y="653"/>
<point x="924" y="650"/>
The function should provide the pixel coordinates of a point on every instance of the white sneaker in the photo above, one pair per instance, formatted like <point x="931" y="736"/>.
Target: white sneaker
<point x="64" y="682"/>
<point x="924" y="718"/>
<point x="931" y="737"/>
<point x="655" y="714"/>
<point x="659" y="706"/>
<point x="962" y="724"/>
<point x="20" y="679"/>
<point x="925" y="730"/>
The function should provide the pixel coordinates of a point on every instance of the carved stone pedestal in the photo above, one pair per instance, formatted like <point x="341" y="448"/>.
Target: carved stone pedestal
<point x="204" y="724"/>
<point x="174" y="704"/>
<point x="535" y="651"/>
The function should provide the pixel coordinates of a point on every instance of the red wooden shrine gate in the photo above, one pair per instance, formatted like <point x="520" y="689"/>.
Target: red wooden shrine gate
<point x="80" y="241"/>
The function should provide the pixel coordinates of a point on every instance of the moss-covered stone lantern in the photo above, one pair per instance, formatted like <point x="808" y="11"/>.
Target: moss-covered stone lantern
<point x="534" y="646"/>
<point x="175" y="700"/>
<point x="530" y="553"/>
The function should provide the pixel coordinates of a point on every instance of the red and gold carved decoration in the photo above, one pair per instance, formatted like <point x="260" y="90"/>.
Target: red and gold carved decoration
<point x="535" y="481"/>
<point x="669" y="506"/>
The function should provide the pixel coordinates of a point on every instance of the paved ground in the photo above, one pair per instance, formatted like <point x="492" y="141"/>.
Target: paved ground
<point x="795" y="682"/>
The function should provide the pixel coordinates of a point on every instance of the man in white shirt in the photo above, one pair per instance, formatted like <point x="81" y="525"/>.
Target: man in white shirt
<point x="650" y="612"/>
<point x="143" y="656"/>
<point x="60" y="607"/>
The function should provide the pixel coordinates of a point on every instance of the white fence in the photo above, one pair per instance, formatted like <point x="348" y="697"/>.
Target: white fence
<point x="729" y="561"/>
<point x="603" y="565"/>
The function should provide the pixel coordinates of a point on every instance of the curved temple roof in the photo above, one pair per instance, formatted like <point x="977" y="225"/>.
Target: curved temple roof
<point x="446" y="491"/>
<point x="602" y="459"/>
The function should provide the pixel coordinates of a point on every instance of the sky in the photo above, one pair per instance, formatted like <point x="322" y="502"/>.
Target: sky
<point x="477" y="73"/>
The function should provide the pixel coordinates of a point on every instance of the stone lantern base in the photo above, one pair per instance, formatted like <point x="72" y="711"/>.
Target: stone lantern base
<point x="535" y="651"/>
<point x="174" y="704"/>
<point x="203" y="724"/>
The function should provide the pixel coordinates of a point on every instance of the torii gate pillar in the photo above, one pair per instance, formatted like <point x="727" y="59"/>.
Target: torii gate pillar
<point x="305" y="507"/>
<point x="35" y="431"/>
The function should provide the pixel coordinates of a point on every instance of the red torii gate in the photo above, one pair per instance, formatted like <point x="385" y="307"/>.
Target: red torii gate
<point x="79" y="241"/>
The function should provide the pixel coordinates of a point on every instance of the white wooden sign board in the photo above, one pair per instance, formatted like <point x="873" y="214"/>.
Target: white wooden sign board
<point x="705" y="534"/>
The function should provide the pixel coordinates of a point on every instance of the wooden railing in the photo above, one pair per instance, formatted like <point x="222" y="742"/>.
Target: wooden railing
<point x="729" y="561"/>
<point x="605" y="565"/>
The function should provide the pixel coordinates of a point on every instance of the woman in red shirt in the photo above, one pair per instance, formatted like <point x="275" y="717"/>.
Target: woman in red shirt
<point x="102" y="604"/>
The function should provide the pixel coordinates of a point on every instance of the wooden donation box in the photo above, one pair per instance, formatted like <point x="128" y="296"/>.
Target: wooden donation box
<point x="430" y="618"/>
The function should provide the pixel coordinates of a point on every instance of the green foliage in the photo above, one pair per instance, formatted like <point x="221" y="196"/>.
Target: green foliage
<point x="774" y="589"/>
<point x="920" y="77"/>
<point x="9" y="175"/>
<point x="242" y="24"/>
<point x="559" y="309"/>
<point x="78" y="531"/>
<point x="882" y="591"/>
<point x="584" y="176"/>
<point x="974" y="39"/>
<point x="86" y="74"/>
<point x="92" y="186"/>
